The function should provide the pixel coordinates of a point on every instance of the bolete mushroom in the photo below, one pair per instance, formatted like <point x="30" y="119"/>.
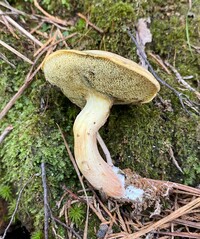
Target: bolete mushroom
<point x="95" y="80"/>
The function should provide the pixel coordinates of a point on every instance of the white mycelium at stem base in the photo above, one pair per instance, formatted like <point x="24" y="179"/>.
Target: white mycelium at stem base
<point x="101" y="175"/>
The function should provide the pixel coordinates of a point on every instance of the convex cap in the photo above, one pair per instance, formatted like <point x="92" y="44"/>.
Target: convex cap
<point x="79" y="73"/>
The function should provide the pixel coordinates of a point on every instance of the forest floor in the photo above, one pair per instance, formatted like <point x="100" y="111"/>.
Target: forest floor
<point x="39" y="187"/>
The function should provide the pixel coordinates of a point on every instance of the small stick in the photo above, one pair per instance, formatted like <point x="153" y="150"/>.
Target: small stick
<point x="121" y="221"/>
<point x="8" y="13"/>
<point x="14" y="9"/>
<point x="104" y="207"/>
<point x="42" y="47"/>
<point x="65" y="226"/>
<point x="100" y="216"/>
<point x="89" y="23"/>
<point x="54" y="219"/>
<point x="180" y="234"/>
<point x="6" y="131"/>
<point x="15" y="52"/>
<point x="46" y="19"/>
<point x="177" y="186"/>
<point x="37" y="27"/>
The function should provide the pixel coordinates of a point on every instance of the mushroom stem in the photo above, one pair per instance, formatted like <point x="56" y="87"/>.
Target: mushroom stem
<point x="101" y="175"/>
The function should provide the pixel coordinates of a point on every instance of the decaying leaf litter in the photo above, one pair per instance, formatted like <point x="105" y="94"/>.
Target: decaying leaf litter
<point x="181" y="217"/>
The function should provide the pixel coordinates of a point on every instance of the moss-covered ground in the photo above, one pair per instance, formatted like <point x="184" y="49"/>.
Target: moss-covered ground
<point x="138" y="137"/>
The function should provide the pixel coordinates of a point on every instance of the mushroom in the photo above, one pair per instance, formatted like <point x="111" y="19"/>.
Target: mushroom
<point x="95" y="80"/>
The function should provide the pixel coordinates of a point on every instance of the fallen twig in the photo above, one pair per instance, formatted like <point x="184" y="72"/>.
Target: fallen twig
<point x="15" y="10"/>
<point x="8" y="25"/>
<point x="67" y="227"/>
<point x="81" y="199"/>
<point x="177" y="186"/>
<point x="37" y="27"/>
<point x="5" y="133"/>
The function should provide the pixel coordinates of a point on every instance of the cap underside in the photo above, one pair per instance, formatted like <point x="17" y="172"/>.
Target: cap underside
<point x="79" y="73"/>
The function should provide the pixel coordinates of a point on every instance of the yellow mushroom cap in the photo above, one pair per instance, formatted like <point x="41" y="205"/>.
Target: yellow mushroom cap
<point x="78" y="73"/>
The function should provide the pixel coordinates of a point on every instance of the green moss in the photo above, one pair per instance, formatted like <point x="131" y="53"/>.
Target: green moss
<point x="144" y="136"/>
<point x="35" y="138"/>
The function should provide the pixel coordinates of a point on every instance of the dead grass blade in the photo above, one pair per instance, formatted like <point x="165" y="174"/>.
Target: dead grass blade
<point x="15" y="52"/>
<point x="89" y="23"/>
<point x="22" y="30"/>
<point x="13" y="10"/>
<point x="28" y="81"/>
<point x="6" y="131"/>
<point x="52" y="18"/>
<point x="4" y="58"/>
<point x="179" y="188"/>
<point x="160" y="62"/>
<point x="8" y="25"/>
<point x="30" y="76"/>
<point x="174" y="215"/>
<point x="181" y="80"/>
<point x="80" y="179"/>
<point x="181" y="234"/>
